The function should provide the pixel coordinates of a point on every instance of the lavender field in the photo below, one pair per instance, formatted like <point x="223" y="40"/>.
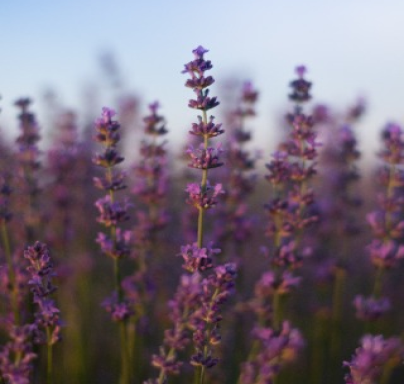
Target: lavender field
<point x="206" y="262"/>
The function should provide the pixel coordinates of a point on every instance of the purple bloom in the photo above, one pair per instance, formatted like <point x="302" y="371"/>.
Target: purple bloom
<point x="197" y="259"/>
<point x="107" y="129"/>
<point x="271" y="283"/>
<point x="371" y="308"/>
<point x="385" y="254"/>
<point x="47" y="319"/>
<point x="374" y="354"/>
<point x="278" y="348"/>
<point x="119" y="310"/>
<point x="209" y="129"/>
<point x="117" y="248"/>
<point x="202" y="158"/>
<point x="154" y="123"/>
<point x="203" y="199"/>
<point x="111" y="213"/>
<point x="18" y="371"/>
<point x="300" y="87"/>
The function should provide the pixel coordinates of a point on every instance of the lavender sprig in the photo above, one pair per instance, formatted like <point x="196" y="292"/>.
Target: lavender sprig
<point x="111" y="214"/>
<point x="28" y="166"/>
<point x="17" y="355"/>
<point x="204" y="157"/>
<point x="374" y="360"/>
<point x="47" y="319"/>
<point x="198" y="319"/>
<point x="386" y="222"/>
<point x="234" y="223"/>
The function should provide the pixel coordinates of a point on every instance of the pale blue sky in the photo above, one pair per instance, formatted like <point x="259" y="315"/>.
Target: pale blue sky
<point x="351" y="48"/>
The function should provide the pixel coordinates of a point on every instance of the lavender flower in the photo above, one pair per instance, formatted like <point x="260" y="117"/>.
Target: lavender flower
<point x="47" y="318"/>
<point x="277" y="349"/>
<point x="386" y="222"/>
<point x="28" y="165"/>
<point x="202" y="314"/>
<point x="17" y="355"/>
<point x="233" y="221"/>
<point x="371" y="308"/>
<point x="373" y="356"/>
<point x="111" y="214"/>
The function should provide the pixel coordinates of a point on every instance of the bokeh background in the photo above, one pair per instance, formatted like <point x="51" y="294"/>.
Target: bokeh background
<point x="352" y="48"/>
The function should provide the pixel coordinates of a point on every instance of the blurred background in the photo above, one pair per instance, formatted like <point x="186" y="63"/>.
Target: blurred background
<point x="80" y="52"/>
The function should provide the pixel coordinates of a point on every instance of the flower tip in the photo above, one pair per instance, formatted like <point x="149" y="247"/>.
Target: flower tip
<point x="301" y="70"/>
<point x="199" y="52"/>
<point x="108" y="113"/>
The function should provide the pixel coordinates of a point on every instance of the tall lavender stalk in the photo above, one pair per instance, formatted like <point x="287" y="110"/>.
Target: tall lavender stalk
<point x="203" y="196"/>
<point x="112" y="213"/>
<point x="150" y="190"/>
<point x="235" y="224"/>
<point x="28" y="165"/>
<point x="290" y="173"/>
<point x="47" y="320"/>
<point x="289" y="211"/>
<point x="374" y="359"/>
<point x="5" y="217"/>
<point x="387" y="225"/>
<point x="195" y="310"/>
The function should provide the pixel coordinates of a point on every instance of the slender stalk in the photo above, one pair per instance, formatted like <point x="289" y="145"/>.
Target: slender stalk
<point x="277" y="310"/>
<point x="14" y="287"/>
<point x="201" y="210"/>
<point x="49" y="353"/>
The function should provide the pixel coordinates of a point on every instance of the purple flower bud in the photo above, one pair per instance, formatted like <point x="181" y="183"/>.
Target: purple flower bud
<point x="375" y="353"/>
<point x="197" y="259"/>
<point x="371" y="308"/>
<point x="202" y="158"/>
<point x="203" y="199"/>
<point x="207" y="130"/>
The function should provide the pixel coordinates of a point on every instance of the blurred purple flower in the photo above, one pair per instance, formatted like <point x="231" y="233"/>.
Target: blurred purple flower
<point x="374" y="354"/>
<point x="371" y="308"/>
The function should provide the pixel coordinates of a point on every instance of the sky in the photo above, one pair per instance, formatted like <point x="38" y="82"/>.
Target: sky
<point x="352" y="48"/>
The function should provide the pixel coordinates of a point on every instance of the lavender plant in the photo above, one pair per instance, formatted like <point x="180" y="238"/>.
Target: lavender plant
<point x="112" y="214"/>
<point x="47" y="324"/>
<point x="289" y="213"/>
<point x="198" y="301"/>
<point x="386" y="223"/>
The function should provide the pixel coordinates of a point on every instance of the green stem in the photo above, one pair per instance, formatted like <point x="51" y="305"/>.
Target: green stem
<point x="377" y="288"/>
<point x="204" y="183"/>
<point x="13" y="282"/>
<point x="125" y="347"/>
<point x="277" y="310"/>
<point x="338" y="295"/>
<point x="200" y="227"/>
<point x="49" y="367"/>
<point x="202" y="375"/>
<point x="125" y="370"/>
<point x="117" y="278"/>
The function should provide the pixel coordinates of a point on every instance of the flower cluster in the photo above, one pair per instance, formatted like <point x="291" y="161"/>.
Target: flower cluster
<point x="112" y="213"/>
<point x="234" y="223"/>
<point x="203" y="198"/>
<point x="197" y="259"/>
<point x="196" y="309"/>
<point x="386" y="222"/>
<point x="151" y="183"/>
<point x="16" y="356"/>
<point x="277" y="349"/>
<point x="290" y="214"/>
<point x="47" y="319"/>
<point x="290" y="172"/>
<point x="27" y="184"/>
<point x="375" y="355"/>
